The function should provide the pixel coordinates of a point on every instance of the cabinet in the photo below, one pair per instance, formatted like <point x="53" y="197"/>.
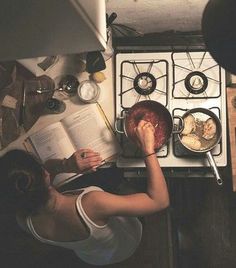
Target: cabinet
<point x="41" y="28"/>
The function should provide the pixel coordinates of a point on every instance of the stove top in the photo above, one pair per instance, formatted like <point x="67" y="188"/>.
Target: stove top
<point x="180" y="81"/>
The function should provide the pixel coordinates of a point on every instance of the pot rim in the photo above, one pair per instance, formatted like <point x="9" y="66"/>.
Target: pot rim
<point x="161" y="106"/>
<point x="217" y="120"/>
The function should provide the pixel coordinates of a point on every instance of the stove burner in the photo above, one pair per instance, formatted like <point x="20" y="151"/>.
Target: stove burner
<point x="196" y="76"/>
<point x="145" y="83"/>
<point x="196" y="82"/>
<point x="142" y="80"/>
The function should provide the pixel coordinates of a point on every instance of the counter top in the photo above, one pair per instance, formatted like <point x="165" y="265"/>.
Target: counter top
<point x="71" y="64"/>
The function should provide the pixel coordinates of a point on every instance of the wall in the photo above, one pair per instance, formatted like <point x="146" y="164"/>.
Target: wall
<point x="151" y="16"/>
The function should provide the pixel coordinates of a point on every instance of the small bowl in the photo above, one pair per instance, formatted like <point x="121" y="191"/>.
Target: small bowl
<point x="88" y="91"/>
<point x="69" y="84"/>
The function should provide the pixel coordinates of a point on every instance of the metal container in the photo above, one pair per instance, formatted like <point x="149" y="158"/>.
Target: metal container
<point x="151" y="111"/>
<point x="203" y="114"/>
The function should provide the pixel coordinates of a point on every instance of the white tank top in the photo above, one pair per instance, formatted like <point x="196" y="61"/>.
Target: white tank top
<point x="111" y="243"/>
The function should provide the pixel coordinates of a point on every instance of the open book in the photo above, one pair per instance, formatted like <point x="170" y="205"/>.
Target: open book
<point x="86" y="128"/>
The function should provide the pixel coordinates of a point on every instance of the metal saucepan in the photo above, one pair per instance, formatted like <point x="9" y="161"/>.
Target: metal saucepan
<point x="200" y="131"/>
<point x="151" y="111"/>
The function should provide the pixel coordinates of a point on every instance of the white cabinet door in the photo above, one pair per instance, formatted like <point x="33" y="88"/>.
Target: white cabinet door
<point x="40" y="28"/>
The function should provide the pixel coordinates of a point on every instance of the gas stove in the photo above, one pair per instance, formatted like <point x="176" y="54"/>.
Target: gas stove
<point x="180" y="81"/>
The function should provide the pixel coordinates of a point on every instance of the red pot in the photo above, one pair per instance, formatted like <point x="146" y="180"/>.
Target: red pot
<point x="151" y="111"/>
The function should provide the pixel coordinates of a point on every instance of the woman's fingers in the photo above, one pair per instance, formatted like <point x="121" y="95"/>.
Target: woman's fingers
<point x="91" y="155"/>
<point x="85" y="159"/>
<point x="144" y="125"/>
<point x="141" y="123"/>
<point x="86" y="153"/>
<point x="93" y="159"/>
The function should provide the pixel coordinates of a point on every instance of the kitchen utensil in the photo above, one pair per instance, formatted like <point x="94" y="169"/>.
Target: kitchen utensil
<point x="201" y="115"/>
<point x="88" y="91"/>
<point x="218" y="28"/>
<point x="153" y="112"/>
<point x="107" y="54"/>
<point x="68" y="84"/>
<point x="22" y="107"/>
<point x="231" y="104"/>
<point x="110" y="19"/>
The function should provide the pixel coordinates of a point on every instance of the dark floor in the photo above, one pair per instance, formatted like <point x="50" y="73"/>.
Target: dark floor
<point x="197" y="231"/>
<point x="204" y="222"/>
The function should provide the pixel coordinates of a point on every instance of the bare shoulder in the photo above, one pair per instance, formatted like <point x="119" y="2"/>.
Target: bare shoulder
<point x="101" y="205"/>
<point x="96" y="199"/>
<point x="93" y="204"/>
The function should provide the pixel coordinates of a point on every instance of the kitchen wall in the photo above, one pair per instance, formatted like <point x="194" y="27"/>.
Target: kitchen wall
<point x="152" y="16"/>
<point x="156" y="16"/>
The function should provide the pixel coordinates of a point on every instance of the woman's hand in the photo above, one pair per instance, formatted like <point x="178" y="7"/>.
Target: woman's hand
<point x="145" y="136"/>
<point x="82" y="161"/>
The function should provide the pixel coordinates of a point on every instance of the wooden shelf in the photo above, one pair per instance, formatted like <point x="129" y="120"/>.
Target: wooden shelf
<point x="231" y="105"/>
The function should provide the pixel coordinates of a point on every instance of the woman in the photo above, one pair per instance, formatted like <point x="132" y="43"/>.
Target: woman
<point x="100" y="227"/>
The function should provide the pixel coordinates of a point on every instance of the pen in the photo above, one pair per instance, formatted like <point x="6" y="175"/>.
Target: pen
<point x="22" y="108"/>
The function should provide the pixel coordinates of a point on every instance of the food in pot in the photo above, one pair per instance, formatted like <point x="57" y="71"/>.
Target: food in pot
<point x="192" y="141"/>
<point x="209" y="129"/>
<point x="157" y="119"/>
<point x="203" y="134"/>
<point x="189" y="124"/>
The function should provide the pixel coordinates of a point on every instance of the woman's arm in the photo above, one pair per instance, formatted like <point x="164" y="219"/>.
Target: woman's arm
<point x="156" y="184"/>
<point x="81" y="161"/>
<point x="101" y="205"/>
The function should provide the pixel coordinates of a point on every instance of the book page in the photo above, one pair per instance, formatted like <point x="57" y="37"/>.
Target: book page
<point x="52" y="142"/>
<point x="88" y="129"/>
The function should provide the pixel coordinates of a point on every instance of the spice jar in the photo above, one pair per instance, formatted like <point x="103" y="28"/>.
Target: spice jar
<point x="88" y="91"/>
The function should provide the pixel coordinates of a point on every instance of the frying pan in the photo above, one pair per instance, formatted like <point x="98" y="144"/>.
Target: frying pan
<point x="201" y="115"/>
<point x="153" y="112"/>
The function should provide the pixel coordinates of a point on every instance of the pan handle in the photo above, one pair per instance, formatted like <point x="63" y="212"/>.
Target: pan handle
<point x="116" y="125"/>
<point x="214" y="168"/>
<point x="180" y="125"/>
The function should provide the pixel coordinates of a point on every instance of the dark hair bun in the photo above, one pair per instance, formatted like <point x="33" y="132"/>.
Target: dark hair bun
<point x="23" y="182"/>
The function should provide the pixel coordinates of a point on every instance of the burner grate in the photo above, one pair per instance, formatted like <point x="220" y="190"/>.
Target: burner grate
<point x="195" y="76"/>
<point x="143" y="80"/>
<point x="205" y="87"/>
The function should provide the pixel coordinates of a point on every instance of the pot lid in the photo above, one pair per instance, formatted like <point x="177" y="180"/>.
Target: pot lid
<point x="218" y="28"/>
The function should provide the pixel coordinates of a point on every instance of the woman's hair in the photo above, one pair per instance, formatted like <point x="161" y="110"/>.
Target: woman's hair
<point x="22" y="183"/>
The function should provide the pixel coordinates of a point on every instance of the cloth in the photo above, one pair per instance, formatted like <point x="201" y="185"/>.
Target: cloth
<point x="108" y="244"/>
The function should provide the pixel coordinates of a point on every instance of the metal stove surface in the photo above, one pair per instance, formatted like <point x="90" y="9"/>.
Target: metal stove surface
<point x="182" y="81"/>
